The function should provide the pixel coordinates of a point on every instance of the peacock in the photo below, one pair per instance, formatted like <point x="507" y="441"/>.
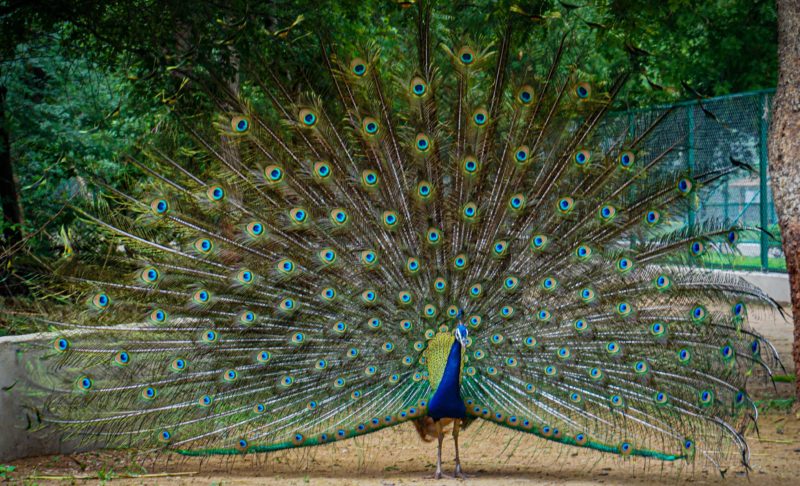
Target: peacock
<point x="446" y="231"/>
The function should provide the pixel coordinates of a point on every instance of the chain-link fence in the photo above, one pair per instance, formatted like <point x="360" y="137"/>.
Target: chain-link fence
<point x="734" y="128"/>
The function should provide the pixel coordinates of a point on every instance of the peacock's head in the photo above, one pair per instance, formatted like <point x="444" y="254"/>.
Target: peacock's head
<point x="461" y="334"/>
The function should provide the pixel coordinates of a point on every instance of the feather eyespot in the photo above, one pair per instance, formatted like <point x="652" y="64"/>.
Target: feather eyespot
<point x="358" y="67"/>
<point x="607" y="213"/>
<point x="322" y="171"/>
<point x="369" y="258"/>
<point x="418" y="87"/>
<point x="470" y="166"/>
<point x="539" y="242"/>
<point x="215" y="193"/>
<point x="466" y="56"/>
<point x="516" y="202"/>
<point x="430" y="311"/>
<point x="390" y="220"/>
<point x="273" y="174"/>
<point x="549" y="283"/>
<point x="684" y="186"/>
<point x="583" y="91"/>
<point x="327" y="256"/>
<point x="582" y="158"/>
<point x="328" y="293"/>
<point x="307" y="117"/>
<point x="369" y="296"/>
<point x="480" y="117"/>
<point x="122" y="358"/>
<point x="203" y="246"/>
<point x="522" y="154"/>
<point x="474" y="321"/>
<point x="298" y="216"/>
<point x="583" y="252"/>
<point x="587" y="295"/>
<point x="247" y="317"/>
<point x="149" y="393"/>
<point x="658" y="329"/>
<point x="61" y="344"/>
<point x="158" y="316"/>
<point x="624" y="264"/>
<point x="697" y="248"/>
<point x="340" y="327"/>
<point x="476" y="290"/>
<point x="254" y="229"/>
<point x="338" y="217"/>
<point x="240" y="124"/>
<point x="460" y="261"/>
<point x="469" y="212"/>
<point x="209" y="337"/>
<point x="565" y="205"/>
<point x="652" y="217"/>
<point x="525" y="94"/>
<point x="369" y="179"/>
<point x="370" y="126"/>
<point x="287" y="305"/>
<point x="422" y="143"/>
<point x="149" y="275"/>
<point x="230" y="376"/>
<point x="626" y="159"/>
<point x="433" y="236"/>
<point x="404" y="297"/>
<point x="285" y="267"/>
<point x="245" y="277"/>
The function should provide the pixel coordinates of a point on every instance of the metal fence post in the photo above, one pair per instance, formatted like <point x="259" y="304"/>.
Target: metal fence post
<point x="763" y="201"/>
<point x="690" y="164"/>
<point x="726" y="200"/>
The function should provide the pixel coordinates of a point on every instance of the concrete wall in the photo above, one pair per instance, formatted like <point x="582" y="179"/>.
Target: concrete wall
<point x="776" y="285"/>
<point x="16" y="441"/>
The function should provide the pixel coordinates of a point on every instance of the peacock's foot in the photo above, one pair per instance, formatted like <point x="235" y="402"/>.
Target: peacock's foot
<point x="461" y="474"/>
<point x="439" y="475"/>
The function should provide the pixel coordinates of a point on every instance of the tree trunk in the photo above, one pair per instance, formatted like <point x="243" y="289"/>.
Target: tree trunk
<point x="12" y="212"/>
<point x="784" y="155"/>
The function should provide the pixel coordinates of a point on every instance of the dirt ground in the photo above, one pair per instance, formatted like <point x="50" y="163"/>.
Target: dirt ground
<point x="396" y="456"/>
<point x="492" y="455"/>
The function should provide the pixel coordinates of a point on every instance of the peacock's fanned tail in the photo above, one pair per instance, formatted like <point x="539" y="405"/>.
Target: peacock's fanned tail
<point x="278" y="285"/>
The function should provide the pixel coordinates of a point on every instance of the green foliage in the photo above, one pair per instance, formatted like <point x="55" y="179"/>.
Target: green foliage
<point x="87" y="84"/>
<point x="4" y="470"/>
<point x="68" y="118"/>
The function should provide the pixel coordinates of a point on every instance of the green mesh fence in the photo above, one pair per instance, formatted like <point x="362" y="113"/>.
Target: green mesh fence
<point x="733" y="126"/>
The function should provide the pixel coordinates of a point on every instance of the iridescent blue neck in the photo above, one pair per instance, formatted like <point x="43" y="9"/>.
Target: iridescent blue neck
<point x="446" y="401"/>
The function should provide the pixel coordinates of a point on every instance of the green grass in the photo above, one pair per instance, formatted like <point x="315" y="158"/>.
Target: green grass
<point x="743" y="262"/>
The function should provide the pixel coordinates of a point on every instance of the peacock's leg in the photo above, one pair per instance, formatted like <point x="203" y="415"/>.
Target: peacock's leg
<point x="459" y="473"/>
<point x="440" y="437"/>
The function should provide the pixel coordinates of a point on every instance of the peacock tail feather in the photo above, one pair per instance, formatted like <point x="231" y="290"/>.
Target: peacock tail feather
<point x="287" y="279"/>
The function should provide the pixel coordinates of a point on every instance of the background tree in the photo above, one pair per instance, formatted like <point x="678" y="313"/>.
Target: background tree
<point x="784" y="154"/>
